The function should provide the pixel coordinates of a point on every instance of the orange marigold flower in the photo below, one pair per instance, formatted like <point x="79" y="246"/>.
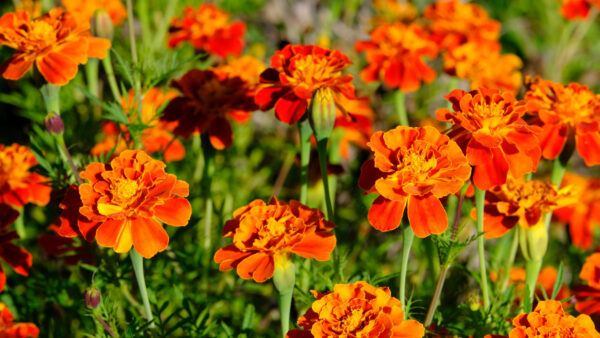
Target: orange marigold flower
<point x="68" y="249"/>
<point x="265" y="235"/>
<point x="208" y="100"/>
<point x="10" y="329"/>
<point x="128" y="198"/>
<point x="582" y="216"/>
<point x="356" y="310"/>
<point x="18" y="185"/>
<point x="414" y="166"/>
<point x="247" y="68"/>
<point x="393" y="11"/>
<point x="565" y="113"/>
<point x="489" y="128"/>
<point x="550" y="320"/>
<point x="577" y="9"/>
<point x="32" y="7"/>
<point x="588" y="296"/>
<point x="296" y="72"/>
<point x="56" y="42"/>
<point x="522" y="202"/>
<point x="18" y="258"/>
<point x="85" y="10"/>
<point x="208" y="29"/>
<point x="395" y="55"/>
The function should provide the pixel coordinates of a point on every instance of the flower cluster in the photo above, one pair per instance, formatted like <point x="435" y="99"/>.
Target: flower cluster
<point x="10" y="329"/>
<point x="18" y="184"/>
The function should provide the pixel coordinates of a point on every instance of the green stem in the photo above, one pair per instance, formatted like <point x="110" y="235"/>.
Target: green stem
<point x="284" y="279"/>
<point x="407" y="239"/>
<point x="514" y="246"/>
<point x="207" y="173"/>
<point x="436" y="295"/>
<point x="91" y="72"/>
<point x="532" y="270"/>
<point x="322" y="149"/>
<point x="110" y="75"/>
<point x="399" y="102"/>
<point x="559" y="168"/>
<point x="20" y="225"/>
<point x="305" y="134"/>
<point x="163" y="28"/>
<point x="285" y="306"/>
<point x="479" y="204"/>
<point x="134" y="57"/>
<point x="51" y="95"/>
<point x="138" y="268"/>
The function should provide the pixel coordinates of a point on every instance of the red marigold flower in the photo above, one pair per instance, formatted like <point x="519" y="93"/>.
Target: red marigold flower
<point x="18" y="258"/>
<point x="68" y="249"/>
<point x="296" y="72"/>
<point x="10" y="329"/>
<point x="565" y="113"/>
<point x="395" y="55"/>
<point x="207" y="100"/>
<point x="356" y="310"/>
<point x="128" y="198"/>
<point x="208" y="29"/>
<point x="18" y="185"/>
<point x="489" y="128"/>
<point x="588" y="296"/>
<point x="265" y="235"/>
<point x="414" y="167"/>
<point x="56" y="42"/>
<point x="577" y="9"/>
<point x="585" y="214"/>
<point x="85" y="10"/>
<point x="72" y="222"/>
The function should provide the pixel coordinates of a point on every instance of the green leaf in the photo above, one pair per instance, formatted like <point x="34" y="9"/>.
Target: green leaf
<point x="249" y="315"/>
<point x="558" y="282"/>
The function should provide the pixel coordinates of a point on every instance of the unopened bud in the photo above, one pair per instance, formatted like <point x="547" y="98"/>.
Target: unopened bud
<point x="322" y="113"/>
<point x="92" y="297"/>
<point x="104" y="25"/>
<point x="54" y="124"/>
<point x="284" y="276"/>
<point x="534" y="241"/>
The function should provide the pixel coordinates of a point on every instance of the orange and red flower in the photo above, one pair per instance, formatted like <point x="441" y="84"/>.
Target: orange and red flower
<point x="18" y="258"/>
<point x="414" y="167"/>
<point x="128" y="198"/>
<point x="358" y="127"/>
<point x="296" y="72"/>
<point x="265" y="235"/>
<point x="18" y="185"/>
<point x="208" y="29"/>
<point x="9" y="329"/>
<point x="588" y="295"/>
<point x="489" y="128"/>
<point x="56" y="42"/>
<point x="395" y="55"/>
<point x="356" y="310"/>
<point x="577" y="9"/>
<point x="246" y="67"/>
<point x="85" y="10"/>
<point x="565" y="114"/>
<point x="72" y="222"/>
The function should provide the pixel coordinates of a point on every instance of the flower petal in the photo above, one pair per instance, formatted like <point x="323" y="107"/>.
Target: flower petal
<point x="175" y="212"/>
<point x="149" y="237"/>
<point x="386" y="215"/>
<point x="426" y="215"/>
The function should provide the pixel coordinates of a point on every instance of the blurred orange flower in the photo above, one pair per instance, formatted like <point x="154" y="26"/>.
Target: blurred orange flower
<point x="9" y="329"/>
<point x="582" y="216"/>
<point x="414" y="166"/>
<point x="577" y="9"/>
<point x="546" y="280"/>
<point x="393" y="11"/>
<point x="32" y="7"/>
<point x="265" y="236"/>
<point x="85" y="10"/>
<point x="489" y="128"/>
<point x="588" y="296"/>
<point x="208" y="100"/>
<point x="128" y="198"/>
<point x="18" y="185"/>
<point x="246" y="67"/>
<point x="56" y="42"/>
<point x="566" y="114"/>
<point x="356" y="310"/>
<point x="395" y="55"/>
<point x="296" y="72"/>
<point x="18" y="258"/>
<point x="522" y="202"/>
<point x="208" y="29"/>
<point x="358" y="127"/>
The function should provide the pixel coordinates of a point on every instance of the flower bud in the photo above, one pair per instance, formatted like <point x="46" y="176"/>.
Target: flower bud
<point x="104" y="25"/>
<point x="92" y="297"/>
<point x="54" y="124"/>
<point x="284" y="276"/>
<point x="534" y="241"/>
<point x="322" y="113"/>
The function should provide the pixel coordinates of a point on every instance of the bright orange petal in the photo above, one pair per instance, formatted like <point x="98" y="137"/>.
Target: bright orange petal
<point x="426" y="215"/>
<point x="386" y="215"/>
<point x="149" y="237"/>
<point x="175" y="212"/>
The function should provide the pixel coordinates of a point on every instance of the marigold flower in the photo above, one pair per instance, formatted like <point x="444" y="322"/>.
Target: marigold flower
<point x="18" y="185"/>
<point x="32" y="7"/>
<point x="550" y="320"/>
<point x="56" y="42"/>
<point x="414" y="167"/>
<point x="128" y="198"/>
<point x="565" y="113"/>
<point x="85" y="10"/>
<point x="489" y="128"/>
<point x="582" y="216"/>
<point x="395" y="55"/>
<point x="296" y="72"/>
<point x="577" y="9"/>
<point x="71" y="222"/>
<point x="356" y="310"/>
<point x="247" y="68"/>
<point x="208" y="100"/>
<point x="588" y="296"/>
<point x="265" y="235"/>
<point x="18" y="258"/>
<point x="208" y="29"/>
<point x="393" y="11"/>
<point x="10" y="329"/>
<point x="356" y="128"/>
<point x="68" y="249"/>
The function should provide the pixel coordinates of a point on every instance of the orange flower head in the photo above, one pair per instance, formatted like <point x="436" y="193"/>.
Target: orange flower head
<point x="56" y="42"/>
<point x="356" y="310"/>
<point x="489" y="128"/>
<point x="550" y="320"/>
<point x="454" y="22"/>
<point x="296" y="72"/>
<point x="414" y="166"/>
<point x="18" y="185"/>
<point x="590" y="273"/>
<point x="588" y="296"/>
<point x="32" y="7"/>
<point x="247" y="68"/>
<point x="577" y="9"/>
<point x="207" y="100"/>
<point x="265" y="235"/>
<point x="85" y="10"/>
<point x="393" y="11"/>
<point x="208" y="29"/>
<point x="10" y="329"/>
<point x="18" y="258"/>
<point x="395" y="54"/>
<point x="565" y="113"/>
<point x="128" y="198"/>
<point x="522" y="202"/>
<point x="585" y="214"/>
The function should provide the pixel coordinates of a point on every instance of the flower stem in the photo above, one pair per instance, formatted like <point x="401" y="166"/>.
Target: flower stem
<point x="110" y="75"/>
<point x="284" y="278"/>
<point x="207" y="173"/>
<point x="407" y="239"/>
<point x="137" y="261"/>
<point x="91" y="72"/>
<point x="514" y="246"/>
<point x="399" y="102"/>
<point x="436" y="295"/>
<point x="322" y="149"/>
<point x="532" y="270"/>
<point x="559" y="168"/>
<point x="134" y="57"/>
<point x="305" y="134"/>
<point x="479" y="200"/>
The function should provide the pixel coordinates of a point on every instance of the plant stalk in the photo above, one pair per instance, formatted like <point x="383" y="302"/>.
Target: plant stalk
<point x="514" y="246"/>
<point x="407" y="239"/>
<point x="399" y="102"/>
<point x="479" y="204"/>
<point x="305" y="134"/>
<point x="322" y="149"/>
<point x="138" y="268"/>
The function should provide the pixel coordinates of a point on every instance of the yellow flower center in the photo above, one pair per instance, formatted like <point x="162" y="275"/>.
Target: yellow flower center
<point x="312" y="72"/>
<point x="354" y="320"/>
<point x="125" y="189"/>
<point x="14" y="168"/>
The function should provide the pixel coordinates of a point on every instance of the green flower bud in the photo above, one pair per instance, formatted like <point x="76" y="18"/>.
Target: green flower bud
<point x="534" y="241"/>
<point x="322" y="113"/>
<point x="104" y="26"/>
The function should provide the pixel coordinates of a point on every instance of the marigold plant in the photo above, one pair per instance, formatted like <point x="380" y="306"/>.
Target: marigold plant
<point x="18" y="184"/>
<point x="10" y="329"/>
